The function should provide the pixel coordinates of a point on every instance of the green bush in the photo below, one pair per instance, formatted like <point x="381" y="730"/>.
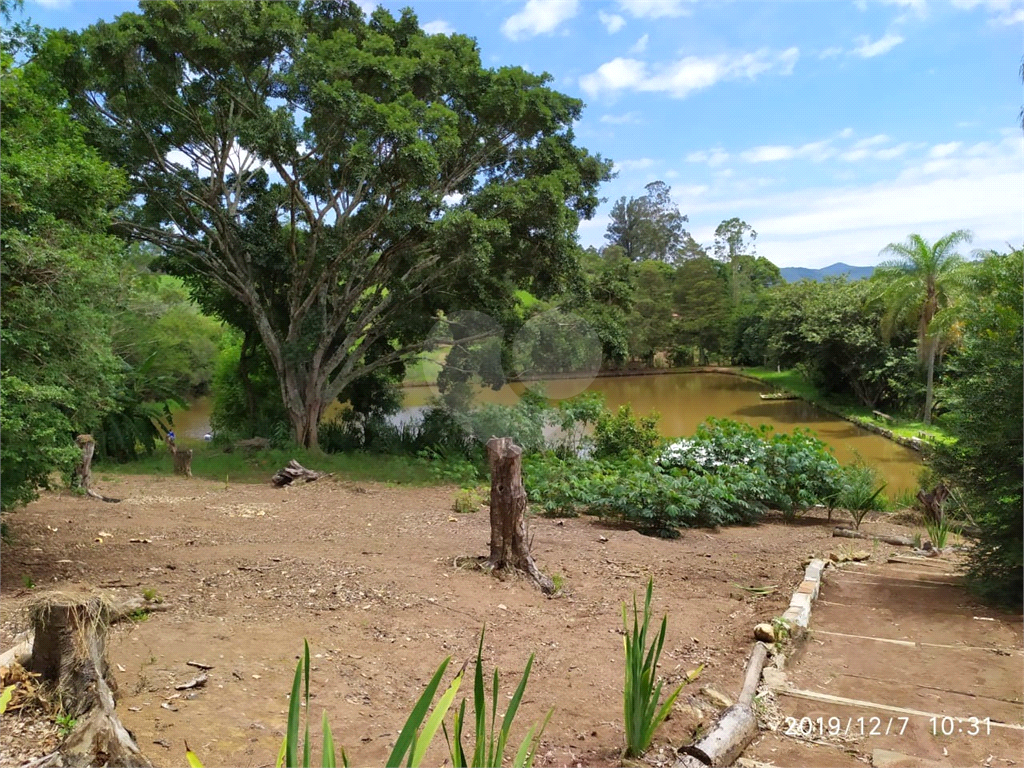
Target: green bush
<point x="859" y="491"/>
<point x="623" y="435"/>
<point x="241" y="411"/>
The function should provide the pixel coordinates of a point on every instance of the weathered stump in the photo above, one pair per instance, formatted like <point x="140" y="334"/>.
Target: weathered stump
<point x="510" y="551"/>
<point x="182" y="459"/>
<point x="69" y="653"/>
<point x="293" y="472"/>
<point x="931" y="503"/>
<point x="83" y="471"/>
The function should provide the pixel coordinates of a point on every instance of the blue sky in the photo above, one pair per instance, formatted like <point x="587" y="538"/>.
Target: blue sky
<point x="833" y="128"/>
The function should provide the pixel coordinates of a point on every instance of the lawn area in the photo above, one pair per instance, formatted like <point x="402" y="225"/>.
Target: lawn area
<point x="212" y="463"/>
<point x="792" y="381"/>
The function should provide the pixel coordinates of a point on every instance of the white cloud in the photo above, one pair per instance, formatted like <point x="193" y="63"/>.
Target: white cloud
<point x="439" y="27"/>
<point x="893" y="152"/>
<point x="830" y="53"/>
<point x="612" y="21"/>
<point x="944" y="150"/>
<point x="1001" y="12"/>
<point x="814" y="227"/>
<point x="655" y="9"/>
<point x="367" y="6"/>
<point x="640" y="45"/>
<point x="54" y="4"/>
<point x="628" y="117"/>
<point x="539" y="17"/>
<point x="627" y="166"/>
<point x="816" y="150"/>
<point x="872" y="141"/>
<point x="867" y="49"/>
<point x="679" y="78"/>
<point x="713" y="157"/>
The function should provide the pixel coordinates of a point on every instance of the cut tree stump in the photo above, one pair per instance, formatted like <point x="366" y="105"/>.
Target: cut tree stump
<point x="931" y="503"/>
<point x="737" y="726"/>
<point x="82" y="477"/>
<point x="69" y="654"/>
<point x="510" y="551"/>
<point x="898" y="541"/>
<point x="182" y="459"/>
<point x="294" y="472"/>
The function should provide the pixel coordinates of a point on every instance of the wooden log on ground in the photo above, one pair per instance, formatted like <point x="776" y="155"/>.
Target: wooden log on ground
<point x="69" y="654"/>
<point x="898" y="541"/>
<point x="294" y="472"/>
<point x="737" y="726"/>
<point x="510" y="550"/>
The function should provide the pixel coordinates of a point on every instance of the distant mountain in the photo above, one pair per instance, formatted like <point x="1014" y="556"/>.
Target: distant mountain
<point x="793" y="274"/>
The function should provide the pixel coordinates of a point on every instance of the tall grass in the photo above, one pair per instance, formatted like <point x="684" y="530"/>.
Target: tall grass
<point x="489" y="750"/>
<point x="640" y="694"/>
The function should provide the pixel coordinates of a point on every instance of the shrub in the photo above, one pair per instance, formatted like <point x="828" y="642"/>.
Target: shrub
<point x="623" y="435"/>
<point x="859" y="492"/>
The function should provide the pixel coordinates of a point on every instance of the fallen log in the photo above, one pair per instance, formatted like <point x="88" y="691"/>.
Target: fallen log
<point x="69" y="654"/>
<point x="898" y="541"/>
<point x="737" y="726"/>
<point x="295" y="471"/>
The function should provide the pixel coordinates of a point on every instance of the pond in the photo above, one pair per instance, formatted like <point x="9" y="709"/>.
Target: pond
<point x="684" y="400"/>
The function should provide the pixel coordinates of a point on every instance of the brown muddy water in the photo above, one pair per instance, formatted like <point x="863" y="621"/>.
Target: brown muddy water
<point x="684" y="400"/>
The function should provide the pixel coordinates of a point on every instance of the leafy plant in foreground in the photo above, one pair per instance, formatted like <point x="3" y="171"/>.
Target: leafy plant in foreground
<point x="641" y="695"/>
<point x="489" y="751"/>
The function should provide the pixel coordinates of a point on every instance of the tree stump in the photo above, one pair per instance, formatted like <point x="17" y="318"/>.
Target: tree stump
<point x="182" y="459"/>
<point x="69" y="653"/>
<point x="931" y="503"/>
<point x="83" y="471"/>
<point x="510" y="551"/>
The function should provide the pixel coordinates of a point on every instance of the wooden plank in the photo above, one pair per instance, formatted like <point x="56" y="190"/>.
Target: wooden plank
<point x="797" y="693"/>
<point x="917" y="644"/>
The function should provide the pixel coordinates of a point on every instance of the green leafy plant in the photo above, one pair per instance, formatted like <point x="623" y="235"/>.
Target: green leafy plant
<point x="139" y="615"/>
<point x="65" y="724"/>
<point x="640" y="693"/>
<point x="151" y="595"/>
<point x="858" y="493"/>
<point x="938" y="531"/>
<point x="623" y="434"/>
<point x="489" y="748"/>
<point x="27" y="581"/>
<point x="467" y="500"/>
<point x="5" y="697"/>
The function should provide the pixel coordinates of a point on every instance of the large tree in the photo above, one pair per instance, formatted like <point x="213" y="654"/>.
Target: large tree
<point x="734" y="244"/>
<point x="649" y="227"/>
<point x="915" y="286"/>
<point x="342" y="180"/>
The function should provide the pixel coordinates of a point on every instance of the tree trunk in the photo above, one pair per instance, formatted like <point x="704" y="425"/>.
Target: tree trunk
<point x="929" y="385"/>
<point x="83" y="472"/>
<point x="69" y="653"/>
<point x="182" y="459"/>
<point x="510" y="551"/>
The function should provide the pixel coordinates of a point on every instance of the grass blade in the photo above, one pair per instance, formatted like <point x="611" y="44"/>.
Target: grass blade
<point x="328" y="759"/>
<point x="291" y="737"/>
<point x="435" y="719"/>
<point x="416" y="717"/>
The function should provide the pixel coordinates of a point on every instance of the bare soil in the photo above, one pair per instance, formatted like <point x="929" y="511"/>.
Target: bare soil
<point x="367" y="573"/>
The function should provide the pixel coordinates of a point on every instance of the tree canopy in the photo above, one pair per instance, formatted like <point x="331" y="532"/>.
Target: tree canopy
<point x="650" y="226"/>
<point x="339" y="180"/>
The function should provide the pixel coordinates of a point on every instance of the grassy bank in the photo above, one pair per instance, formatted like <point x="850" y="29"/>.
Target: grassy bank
<point x="791" y="381"/>
<point x="211" y="463"/>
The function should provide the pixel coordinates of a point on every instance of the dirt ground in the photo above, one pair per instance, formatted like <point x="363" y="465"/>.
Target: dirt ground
<point x="367" y="574"/>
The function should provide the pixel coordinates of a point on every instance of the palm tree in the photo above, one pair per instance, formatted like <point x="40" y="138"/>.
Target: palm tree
<point x="919" y="282"/>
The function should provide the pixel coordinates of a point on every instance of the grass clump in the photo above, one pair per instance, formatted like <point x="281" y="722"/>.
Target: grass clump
<point x="641" y="695"/>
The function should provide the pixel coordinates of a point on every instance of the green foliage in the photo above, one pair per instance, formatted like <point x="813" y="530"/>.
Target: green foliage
<point x="858" y="492"/>
<point x="641" y="696"/>
<point x="574" y="417"/>
<point x="938" y="532"/>
<point x="342" y="257"/>
<point x="622" y="435"/>
<point x="983" y="393"/>
<point x="649" y="227"/>
<point x="247" y="398"/>
<point x="65" y="724"/>
<point x="489" y="748"/>
<point x="467" y="501"/>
